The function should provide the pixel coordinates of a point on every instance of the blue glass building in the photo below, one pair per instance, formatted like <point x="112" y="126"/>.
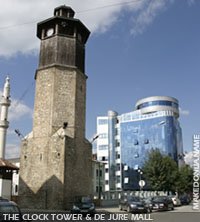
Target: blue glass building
<point x="153" y="124"/>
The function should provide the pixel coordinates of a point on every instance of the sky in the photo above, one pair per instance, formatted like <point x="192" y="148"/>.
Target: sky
<point x="136" y="49"/>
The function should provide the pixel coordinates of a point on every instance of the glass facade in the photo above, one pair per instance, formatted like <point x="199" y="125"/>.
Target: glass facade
<point x="125" y="140"/>
<point x="158" y="103"/>
<point x="139" y="137"/>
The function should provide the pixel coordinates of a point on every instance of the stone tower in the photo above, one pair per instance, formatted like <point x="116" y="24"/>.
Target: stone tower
<point x="55" y="157"/>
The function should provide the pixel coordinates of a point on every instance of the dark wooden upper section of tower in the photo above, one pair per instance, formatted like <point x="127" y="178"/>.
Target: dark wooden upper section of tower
<point x="63" y="40"/>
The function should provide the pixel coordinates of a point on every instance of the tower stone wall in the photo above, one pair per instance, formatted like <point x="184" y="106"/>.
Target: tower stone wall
<point x="60" y="97"/>
<point x="56" y="158"/>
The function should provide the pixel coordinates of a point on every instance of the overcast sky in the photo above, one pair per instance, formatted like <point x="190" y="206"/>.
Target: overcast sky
<point x="136" y="49"/>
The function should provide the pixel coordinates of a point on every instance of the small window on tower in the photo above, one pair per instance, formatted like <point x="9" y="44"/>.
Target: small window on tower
<point x="16" y="188"/>
<point x="64" y="24"/>
<point x="79" y="37"/>
<point x="50" y="32"/>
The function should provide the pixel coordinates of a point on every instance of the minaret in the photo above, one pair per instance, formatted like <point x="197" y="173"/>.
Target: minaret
<point x="5" y="103"/>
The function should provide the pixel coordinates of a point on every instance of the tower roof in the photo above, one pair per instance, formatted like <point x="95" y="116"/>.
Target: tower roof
<point x="64" y="11"/>
<point x="64" y="18"/>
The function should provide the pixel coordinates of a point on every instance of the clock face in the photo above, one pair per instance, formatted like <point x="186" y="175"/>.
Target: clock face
<point x="50" y="32"/>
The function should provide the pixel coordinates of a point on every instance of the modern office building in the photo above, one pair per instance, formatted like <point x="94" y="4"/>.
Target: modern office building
<point x="125" y="140"/>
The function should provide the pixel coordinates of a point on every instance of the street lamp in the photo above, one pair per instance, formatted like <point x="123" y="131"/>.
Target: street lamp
<point x="94" y="138"/>
<point x="140" y="174"/>
<point x="99" y="168"/>
<point x="141" y="182"/>
<point x="19" y="134"/>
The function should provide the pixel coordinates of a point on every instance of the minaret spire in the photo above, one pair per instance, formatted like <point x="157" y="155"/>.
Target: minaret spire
<point x="4" y="105"/>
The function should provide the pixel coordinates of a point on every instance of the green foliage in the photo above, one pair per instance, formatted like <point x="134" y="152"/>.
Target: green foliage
<point x="185" y="179"/>
<point x="160" y="171"/>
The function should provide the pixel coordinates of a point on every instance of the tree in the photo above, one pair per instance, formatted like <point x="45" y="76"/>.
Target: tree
<point x="160" y="171"/>
<point x="185" y="179"/>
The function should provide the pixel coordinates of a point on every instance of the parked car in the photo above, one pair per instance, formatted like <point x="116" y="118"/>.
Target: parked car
<point x="162" y="203"/>
<point x="83" y="205"/>
<point x="176" y="201"/>
<point x="148" y="202"/>
<point x="9" y="207"/>
<point x="185" y="199"/>
<point x="133" y="204"/>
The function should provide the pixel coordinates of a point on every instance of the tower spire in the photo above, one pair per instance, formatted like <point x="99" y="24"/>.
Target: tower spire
<point x="4" y="105"/>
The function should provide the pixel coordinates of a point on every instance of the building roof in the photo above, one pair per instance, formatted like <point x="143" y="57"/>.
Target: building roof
<point x="5" y="164"/>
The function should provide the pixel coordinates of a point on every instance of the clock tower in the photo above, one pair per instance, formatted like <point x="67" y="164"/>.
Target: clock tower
<point x="55" y="157"/>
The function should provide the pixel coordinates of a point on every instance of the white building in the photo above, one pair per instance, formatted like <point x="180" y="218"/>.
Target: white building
<point x="102" y="146"/>
<point x="15" y="177"/>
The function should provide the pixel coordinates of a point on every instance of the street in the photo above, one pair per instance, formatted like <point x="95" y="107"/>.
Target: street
<point x="110" y="214"/>
<point x="179" y="214"/>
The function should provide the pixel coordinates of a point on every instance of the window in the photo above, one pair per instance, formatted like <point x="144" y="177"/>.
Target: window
<point x="79" y="37"/>
<point x="102" y="121"/>
<point x="118" y="156"/>
<point x="102" y="147"/>
<point x="106" y="170"/>
<point x="136" y="155"/>
<point x="107" y="182"/>
<point x="126" y="179"/>
<point x="100" y="173"/>
<point x="100" y="188"/>
<point x="97" y="189"/>
<point x="117" y="143"/>
<point x="116" y="131"/>
<point x="125" y="168"/>
<point x="118" y="167"/>
<point x="158" y="103"/>
<point x="103" y="136"/>
<point x="16" y="188"/>
<point x="169" y="154"/>
<point x="97" y="173"/>
<point x="118" y="179"/>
